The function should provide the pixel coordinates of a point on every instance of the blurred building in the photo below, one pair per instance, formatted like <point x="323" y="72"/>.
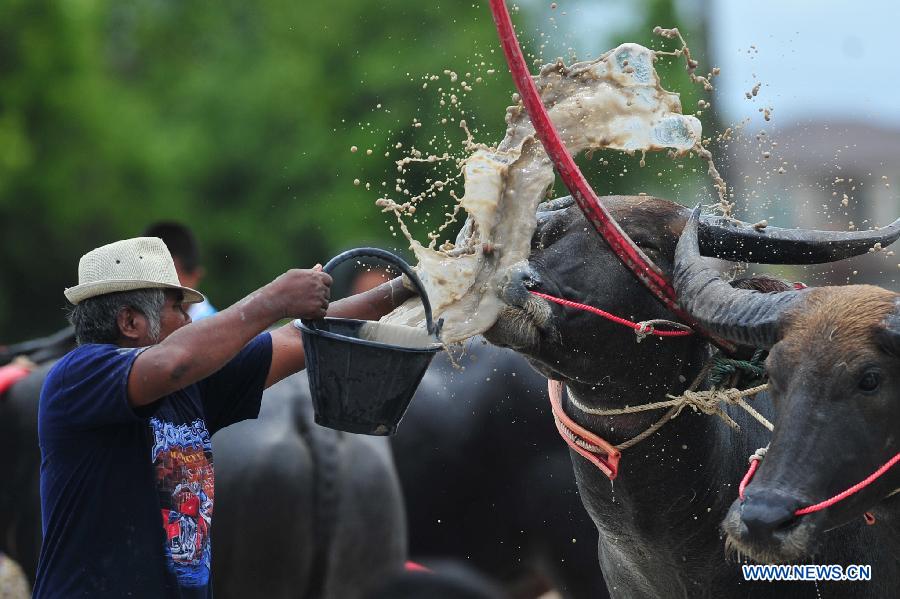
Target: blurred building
<point x="827" y="175"/>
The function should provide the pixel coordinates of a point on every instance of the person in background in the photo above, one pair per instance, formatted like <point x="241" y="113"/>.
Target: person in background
<point x="125" y="419"/>
<point x="369" y="278"/>
<point x="186" y="254"/>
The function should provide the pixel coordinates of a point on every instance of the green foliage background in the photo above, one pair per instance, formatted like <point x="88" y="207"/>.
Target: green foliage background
<point x="235" y="117"/>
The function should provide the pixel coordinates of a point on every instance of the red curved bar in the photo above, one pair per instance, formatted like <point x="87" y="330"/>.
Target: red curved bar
<point x="622" y="245"/>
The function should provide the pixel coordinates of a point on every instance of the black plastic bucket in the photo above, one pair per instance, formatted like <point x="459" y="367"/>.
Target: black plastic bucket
<point x="362" y="374"/>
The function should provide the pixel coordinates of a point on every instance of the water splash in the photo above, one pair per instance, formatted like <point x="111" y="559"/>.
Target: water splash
<point x="613" y="102"/>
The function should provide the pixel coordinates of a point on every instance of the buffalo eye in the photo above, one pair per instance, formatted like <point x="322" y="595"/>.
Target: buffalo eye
<point x="870" y="381"/>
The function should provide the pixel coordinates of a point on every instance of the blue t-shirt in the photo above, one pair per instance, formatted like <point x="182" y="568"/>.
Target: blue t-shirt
<point x="127" y="494"/>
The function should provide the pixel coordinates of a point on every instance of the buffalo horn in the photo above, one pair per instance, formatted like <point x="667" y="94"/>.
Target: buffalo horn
<point x="731" y="239"/>
<point x="746" y="317"/>
<point x="734" y="240"/>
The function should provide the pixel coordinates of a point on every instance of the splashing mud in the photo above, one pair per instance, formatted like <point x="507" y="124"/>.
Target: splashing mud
<point x="616" y="102"/>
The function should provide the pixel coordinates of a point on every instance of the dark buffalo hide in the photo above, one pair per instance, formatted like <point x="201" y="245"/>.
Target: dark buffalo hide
<point x="303" y="510"/>
<point x="487" y="478"/>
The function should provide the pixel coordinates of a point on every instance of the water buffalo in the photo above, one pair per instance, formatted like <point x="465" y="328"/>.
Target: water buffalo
<point x="42" y="349"/>
<point x="303" y="510"/>
<point x="20" y="502"/>
<point x="487" y="479"/>
<point x="837" y="416"/>
<point x="659" y="520"/>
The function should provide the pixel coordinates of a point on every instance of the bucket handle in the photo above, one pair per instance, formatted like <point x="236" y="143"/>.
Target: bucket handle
<point x="433" y="329"/>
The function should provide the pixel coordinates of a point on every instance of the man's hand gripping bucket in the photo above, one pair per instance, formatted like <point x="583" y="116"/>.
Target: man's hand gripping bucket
<point x="363" y="374"/>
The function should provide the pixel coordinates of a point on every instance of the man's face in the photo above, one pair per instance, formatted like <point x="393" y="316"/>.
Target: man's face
<point x="134" y="327"/>
<point x="174" y="314"/>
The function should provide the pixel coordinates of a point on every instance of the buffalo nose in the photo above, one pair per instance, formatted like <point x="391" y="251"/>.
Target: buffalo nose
<point x="527" y="278"/>
<point x="765" y="513"/>
<point x="519" y="279"/>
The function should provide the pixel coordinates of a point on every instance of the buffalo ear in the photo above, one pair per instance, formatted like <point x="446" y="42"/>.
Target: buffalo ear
<point x="888" y="335"/>
<point x="556" y="204"/>
<point x="547" y="209"/>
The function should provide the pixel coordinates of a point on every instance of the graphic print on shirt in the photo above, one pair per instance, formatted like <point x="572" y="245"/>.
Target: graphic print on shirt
<point x="182" y="458"/>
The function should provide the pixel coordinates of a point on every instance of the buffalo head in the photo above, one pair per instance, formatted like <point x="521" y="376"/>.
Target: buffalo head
<point x="568" y="259"/>
<point x="834" y="376"/>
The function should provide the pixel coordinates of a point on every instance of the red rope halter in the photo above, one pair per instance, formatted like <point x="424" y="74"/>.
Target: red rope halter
<point x="754" y="464"/>
<point x="641" y="328"/>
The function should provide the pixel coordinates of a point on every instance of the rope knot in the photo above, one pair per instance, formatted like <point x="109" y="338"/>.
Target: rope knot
<point x="709" y="401"/>
<point x="704" y="401"/>
<point x="643" y="330"/>
<point x="648" y="327"/>
<point x="758" y="455"/>
<point x="728" y="371"/>
<point x="754" y="461"/>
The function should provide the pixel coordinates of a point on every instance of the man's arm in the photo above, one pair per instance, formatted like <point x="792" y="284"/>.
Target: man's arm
<point x="288" y="356"/>
<point x="194" y="352"/>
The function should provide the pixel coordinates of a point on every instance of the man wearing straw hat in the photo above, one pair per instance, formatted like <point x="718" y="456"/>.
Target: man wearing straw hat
<point x="125" y="419"/>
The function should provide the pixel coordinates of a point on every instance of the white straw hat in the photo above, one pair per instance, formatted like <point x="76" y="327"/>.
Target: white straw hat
<point x="139" y="263"/>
